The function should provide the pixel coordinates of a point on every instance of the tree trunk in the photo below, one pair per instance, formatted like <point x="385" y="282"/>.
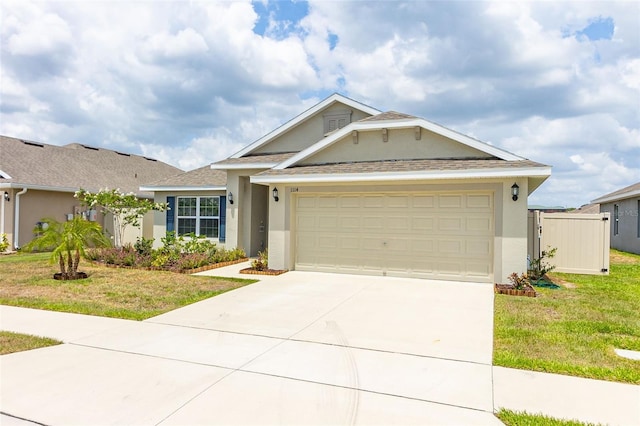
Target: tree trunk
<point x="69" y="264"/>
<point x="62" y="268"/>
<point x="76" y="262"/>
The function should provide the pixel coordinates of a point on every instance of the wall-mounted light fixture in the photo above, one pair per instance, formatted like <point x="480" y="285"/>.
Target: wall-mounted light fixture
<point x="275" y="194"/>
<point x="230" y="198"/>
<point x="515" y="191"/>
<point x="6" y="196"/>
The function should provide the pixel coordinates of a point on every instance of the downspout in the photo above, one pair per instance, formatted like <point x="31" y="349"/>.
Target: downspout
<point x="2" y="212"/>
<point x="16" y="218"/>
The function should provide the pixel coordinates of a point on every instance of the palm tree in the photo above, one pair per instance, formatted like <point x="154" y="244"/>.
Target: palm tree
<point x="68" y="241"/>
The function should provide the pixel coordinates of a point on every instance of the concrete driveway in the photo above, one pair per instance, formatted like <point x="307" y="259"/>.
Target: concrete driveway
<point x="301" y="348"/>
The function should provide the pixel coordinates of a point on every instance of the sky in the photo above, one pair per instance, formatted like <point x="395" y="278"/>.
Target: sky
<point x="191" y="82"/>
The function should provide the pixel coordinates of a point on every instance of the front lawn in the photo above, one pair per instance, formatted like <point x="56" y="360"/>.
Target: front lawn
<point x="26" y="280"/>
<point x="574" y="330"/>
<point x="17" y="342"/>
<point x="517" y="418"/>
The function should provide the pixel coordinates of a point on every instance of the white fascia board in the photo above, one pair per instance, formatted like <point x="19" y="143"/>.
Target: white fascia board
<point x="240" y="166"/>
<point x="397" y="124"/>
<point x="16" y="185"/>
<point x="302" y="117"/>
<point x="618" y="197"/>
<point x="181" y="188"/>
<point x="4" y="175"/>
<point x="469" y="141"/>
<point x="404" y="176"/>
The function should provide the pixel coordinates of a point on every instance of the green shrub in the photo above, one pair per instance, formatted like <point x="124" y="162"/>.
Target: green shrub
<point x="4" y="243"/>
<point x="144" y="246"/>
<point x="262" y="262"/>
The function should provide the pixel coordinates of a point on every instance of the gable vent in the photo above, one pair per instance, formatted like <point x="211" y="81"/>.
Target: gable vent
<point x="39" y="145"/>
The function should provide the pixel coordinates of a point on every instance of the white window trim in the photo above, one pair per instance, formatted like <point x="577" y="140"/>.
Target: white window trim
<point x="197" y="216"/>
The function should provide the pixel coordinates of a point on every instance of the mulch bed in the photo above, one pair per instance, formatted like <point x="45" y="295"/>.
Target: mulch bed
<point x="263" y="272"/>
<point x="510" y="290"/>
<point x="181" y="271"/>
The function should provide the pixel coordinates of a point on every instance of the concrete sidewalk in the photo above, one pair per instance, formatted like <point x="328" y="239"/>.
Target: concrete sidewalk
<point x="299" y="348"/>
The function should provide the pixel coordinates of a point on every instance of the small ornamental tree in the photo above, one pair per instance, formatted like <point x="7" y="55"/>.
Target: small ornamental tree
<point x="127" y="209"/>
<point x="68" y="242"/>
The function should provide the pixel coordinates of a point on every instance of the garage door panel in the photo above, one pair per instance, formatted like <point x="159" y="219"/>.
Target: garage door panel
<point x="328" y="223"/>
<point x="349" y="223"/>
<point x="372" y="223"/>
<point x="398" y="201"/>
<point x="479" y="224"/>
<point x="423" y="201"/>
<point x="422" y="223"/>
<point x="450" y="201"/>
<point x="428" y="235"/>
<point x="448" y="224"/>
<point x="482" y="201"/>
<point x="325" y="202"/>
<point x="373" y="201"/>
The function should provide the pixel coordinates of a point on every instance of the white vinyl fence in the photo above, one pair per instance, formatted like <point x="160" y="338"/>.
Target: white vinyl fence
<point x="582" y="240"/>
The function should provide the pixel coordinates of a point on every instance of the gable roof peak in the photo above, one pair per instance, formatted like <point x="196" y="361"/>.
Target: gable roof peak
<point x="330" y="100"/>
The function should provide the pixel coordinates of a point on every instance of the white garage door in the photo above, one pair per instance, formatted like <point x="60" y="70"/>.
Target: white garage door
<point x="427" y="235"/>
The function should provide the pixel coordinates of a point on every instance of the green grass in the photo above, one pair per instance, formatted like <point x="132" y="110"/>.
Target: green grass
<point x="16" y="342"/>
<point x="574" y="330"/>
<point x="516" y="418"/>
<point x="27" y="281"/>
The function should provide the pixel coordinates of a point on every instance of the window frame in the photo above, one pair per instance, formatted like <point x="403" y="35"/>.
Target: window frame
<point x="198" y="216"/>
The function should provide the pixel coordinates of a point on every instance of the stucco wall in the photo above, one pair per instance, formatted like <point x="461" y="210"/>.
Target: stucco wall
<point x="628" y="236"/>
<point x="308" y="132"/>
<point x="401" y="145"/>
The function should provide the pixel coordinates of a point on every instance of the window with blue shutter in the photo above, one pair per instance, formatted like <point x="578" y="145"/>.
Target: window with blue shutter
<point x="171" y="214"/>
<point x="223" y="219"/>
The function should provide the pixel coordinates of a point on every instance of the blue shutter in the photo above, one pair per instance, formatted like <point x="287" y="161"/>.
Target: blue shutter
<point x="171" y="214"/>
<point x="222" y="232"/>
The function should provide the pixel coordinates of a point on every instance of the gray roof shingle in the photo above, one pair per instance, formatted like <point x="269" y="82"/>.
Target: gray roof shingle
<point x="388" y="166"/>
<point x="77" y="166"/>
<point x="257" y="159"/>
<point x="620" y="193"/>
<point x="202" y="177"/>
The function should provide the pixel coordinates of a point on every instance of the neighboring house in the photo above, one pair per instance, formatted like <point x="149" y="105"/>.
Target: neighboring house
<point x="623" y="205"/>
<point x="345" y="188"/>
<point x="38" y="180"/>
<point x="588" y="209"/>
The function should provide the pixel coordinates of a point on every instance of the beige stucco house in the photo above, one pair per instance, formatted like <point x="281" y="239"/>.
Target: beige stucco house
<point x="624" y="206"/>
<point x="346" y="188"/>
<point x="39" y="180"/>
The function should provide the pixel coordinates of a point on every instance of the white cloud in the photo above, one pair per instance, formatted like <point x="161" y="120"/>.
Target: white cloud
<point x="190" y="82"/>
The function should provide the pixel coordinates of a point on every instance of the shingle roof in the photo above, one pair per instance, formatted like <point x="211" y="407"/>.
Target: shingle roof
<point x="77" y="166"/>
<point x="626" y="192"/>
<point x="389" y="115"/>
<point x="256" y="159"/>
<point x="202" y="177"/>
<point x="403" y="166"/>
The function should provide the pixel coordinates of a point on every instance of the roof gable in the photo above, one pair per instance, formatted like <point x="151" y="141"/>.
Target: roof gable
<point x="431" y="140"/>
<point x="267" y="144"/>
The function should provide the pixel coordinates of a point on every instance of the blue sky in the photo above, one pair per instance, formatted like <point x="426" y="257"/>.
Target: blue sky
<point x="190" y="82"/>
